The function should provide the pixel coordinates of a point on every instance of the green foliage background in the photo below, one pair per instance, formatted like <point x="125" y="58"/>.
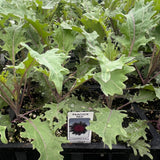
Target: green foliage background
<point x="62" y="44"/>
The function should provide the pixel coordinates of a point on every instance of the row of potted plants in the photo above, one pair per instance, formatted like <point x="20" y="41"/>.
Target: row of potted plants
<point x="69" y="55"/>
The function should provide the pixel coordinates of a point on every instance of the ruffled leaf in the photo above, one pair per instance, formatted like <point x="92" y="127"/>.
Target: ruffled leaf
<point x="143" y="96"/>
<point x="139" y="21"/>
<point x="115" y="83"/>
<point x="108" y="125"/>
<point x="12" y="37"/>
<point x="54" y="113"/>
<point x="135" y="132"/>
<point x="44" y="140"/>
<point x="53" y="61"/>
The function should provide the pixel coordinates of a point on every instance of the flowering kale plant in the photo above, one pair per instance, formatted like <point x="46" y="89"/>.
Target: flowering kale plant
<point x="58" y="56"/>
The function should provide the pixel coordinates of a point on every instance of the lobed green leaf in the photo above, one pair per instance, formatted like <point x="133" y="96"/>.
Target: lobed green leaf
<point x="139" y="21"/>
<point x="53" y="61"/>
<point x="108" y="125"/>
<point x="44" y="140"/>
<point x="135" y="132"/>
<point x="115" y="83"/>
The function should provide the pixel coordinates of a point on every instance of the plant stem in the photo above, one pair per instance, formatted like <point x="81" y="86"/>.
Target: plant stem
<point x="18" y="90"/>
<point x="154" y="76"/>
<point x="153" y="65"/>
<point x="22" y="96"/>
<point x="8" y="89"/>
<point x="23" y="115"/>
<point x="109" y="100"/>
<point x="5" y="99"/>
<point x="123" y="105"/>
<point x="139" y="73"/>
<point x="54" y="95"/>
<point x="70" y="91"/>
<point x="104" y="28"/>
<point x="113" y="26"/>
<point x="133" y="40"/>
<point x="69" y="77"/>
<point x="9" y="101"/>
<point x="22" y="79"/>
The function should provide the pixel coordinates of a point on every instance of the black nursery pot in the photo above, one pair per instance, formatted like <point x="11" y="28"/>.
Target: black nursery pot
<point x="92" y="151"/>
<point x="18" y="151"/>
<point x="95" y="151"/>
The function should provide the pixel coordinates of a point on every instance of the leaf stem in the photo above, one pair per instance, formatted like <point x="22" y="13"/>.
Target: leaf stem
<point x="68" y="93"/>
<point x="152" y="66"/>
<point x="123" y="105"/>
<point x="22" y="96"/>
<point x="109" y="100"/>
<point x="8" y="89"/>
<point x="49" y="86"/>
<point x="23" y="115"/>
<point x="6" y="98"/>
<point x="116" y="31"/>
<point x="151" y="63"/>
<point x="154" y="76"/>
<point x="139" y="73"/>
<point x="134" y="32"/>
<point x="25" y="75"/>
<point x="109" y="116"/>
